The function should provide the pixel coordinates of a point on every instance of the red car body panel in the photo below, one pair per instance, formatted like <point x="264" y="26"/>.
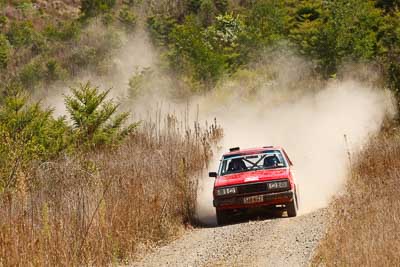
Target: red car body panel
<point x="254" y="177"/>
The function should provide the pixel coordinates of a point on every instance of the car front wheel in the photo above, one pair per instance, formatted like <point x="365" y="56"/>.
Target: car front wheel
<point x="222" y="217"/>
<point x="292" y="208"/>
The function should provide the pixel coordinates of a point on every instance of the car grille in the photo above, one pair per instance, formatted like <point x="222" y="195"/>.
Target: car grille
<point x="257" y="188"/>
<point x="252" y="188"/>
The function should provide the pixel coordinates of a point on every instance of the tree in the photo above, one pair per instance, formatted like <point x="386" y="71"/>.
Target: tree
<point x="28" y="132"/>
<point x="21" y="34"/>
<point x="95" y="119"/>
<point x="192" y="53"/>
<point x="91" y="8"/>
<point x="224" y="36"/>
<point x="389" y="51"/>
<point x="221" y="5"/>
<point x="333" y="31"/>
<point x="207" y="12"/>
<point x="266" y="22"/>
<point x="5" y="51"/>
<point x="127" y="18"/>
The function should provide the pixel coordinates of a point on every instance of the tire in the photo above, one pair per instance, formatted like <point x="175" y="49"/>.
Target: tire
<point x="222" y="217"/>
<point x="291" y="207"/>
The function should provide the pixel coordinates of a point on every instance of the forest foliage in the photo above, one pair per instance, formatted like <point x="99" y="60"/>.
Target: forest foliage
<point x="202" y="40"/>
<point x="327" y="33"/>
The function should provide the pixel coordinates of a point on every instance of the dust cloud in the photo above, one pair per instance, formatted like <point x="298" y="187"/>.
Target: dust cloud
<point x="310" y="123"/>
<point x="135" y="55"/>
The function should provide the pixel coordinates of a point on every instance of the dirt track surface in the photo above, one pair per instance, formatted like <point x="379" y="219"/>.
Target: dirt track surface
<point x="269" y="242"/>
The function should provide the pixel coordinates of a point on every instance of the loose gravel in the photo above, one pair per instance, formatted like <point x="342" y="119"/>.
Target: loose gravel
<point x="269" y="242"/>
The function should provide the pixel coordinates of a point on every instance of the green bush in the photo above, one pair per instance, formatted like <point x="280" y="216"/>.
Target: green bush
<point x="26" y="7"/>
<point x="3" y="22"/>
<point x="193" y="6"/>
<point x="192" y="53"/>
<point x="91" y="8"/>
<point x="266" y="23"/>
<point x="95" y="119"/>
<point x="226" y="30"/>
<point x="63" y="31"/>
<point x="80" y="58"/>
<point x="225" y="36"/>
<point x="340" y="30"/>
<point x="160" y="28"/>
<point x="221" y="5"/>
<point x="5" y="51"/>
<point x="54" y="71"/>
<point x="207" y="12"/>
<point x="28" y="133"/>
<point x="21" y="33"/>
<point x="128" y="19"/>
<point x="137" y="82"/>
<point x="31" y="75"/>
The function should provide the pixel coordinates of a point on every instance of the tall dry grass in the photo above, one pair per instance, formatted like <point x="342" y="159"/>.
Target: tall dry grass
<point x="102" y="207"/>
<point x="364" y="229"/>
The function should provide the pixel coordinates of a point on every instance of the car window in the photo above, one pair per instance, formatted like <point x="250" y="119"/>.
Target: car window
<point x="270" y="159"/>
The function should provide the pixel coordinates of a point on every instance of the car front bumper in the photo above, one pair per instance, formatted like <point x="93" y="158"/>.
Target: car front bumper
<point x="268" y="199"/>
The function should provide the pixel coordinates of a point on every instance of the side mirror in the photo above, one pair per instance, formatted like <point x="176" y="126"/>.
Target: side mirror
<point x="212" y="174"/>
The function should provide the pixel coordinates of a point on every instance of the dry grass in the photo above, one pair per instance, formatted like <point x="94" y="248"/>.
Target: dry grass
<point x="365" y="222"/>
<point x="101" y="208"/>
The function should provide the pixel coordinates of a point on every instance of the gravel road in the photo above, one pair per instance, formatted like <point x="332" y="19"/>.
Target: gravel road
<point x="267" y="242"/>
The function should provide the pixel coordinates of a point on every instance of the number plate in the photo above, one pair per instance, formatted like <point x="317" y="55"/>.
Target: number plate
<point x="253" y="199"/>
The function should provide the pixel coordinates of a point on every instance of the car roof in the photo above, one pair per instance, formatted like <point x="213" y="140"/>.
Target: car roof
<point x="249" y="151"/>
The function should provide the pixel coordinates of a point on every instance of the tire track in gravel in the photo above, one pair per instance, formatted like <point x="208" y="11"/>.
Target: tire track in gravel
<point x="270" y="242"/>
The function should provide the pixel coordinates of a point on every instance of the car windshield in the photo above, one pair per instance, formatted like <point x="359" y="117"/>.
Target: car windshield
<point x="269" y="159"/>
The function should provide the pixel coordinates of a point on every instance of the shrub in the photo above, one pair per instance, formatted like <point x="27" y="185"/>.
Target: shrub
<point x="160" y="28"/>
<point x="54" y="71"/>
<point x="3" y="22"/>
<point x="31" y="74"/>
<point x="193" y="5"/>
<point x="94" y="118"/>
<point x="226" y="30"/>
<point x="28" y="133"/>
<point x="342" y="30"/>
<point x="266" y="23"/>
<point x="5" y="51"/>
<point x="207" y="12"/>
<point x="63" y="31"/>
<point x="81" y="57"/>
<point x="91" y="8"/>
<point x="193" y="53"/>
<point x="137" y="82"/>
<point x="128" y="19"/>
<point x="26" y="7"/>
<point x="94" y="51"/>
<point x="221" y="5"/>
<point x="21" y="33"/>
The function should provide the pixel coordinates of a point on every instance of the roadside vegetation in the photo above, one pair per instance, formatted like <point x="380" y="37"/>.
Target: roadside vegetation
<point x="365" y="225"/>
<point x="92" y="187"/>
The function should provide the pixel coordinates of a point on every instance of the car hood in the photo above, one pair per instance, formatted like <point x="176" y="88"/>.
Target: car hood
<point x="252" y="177"/>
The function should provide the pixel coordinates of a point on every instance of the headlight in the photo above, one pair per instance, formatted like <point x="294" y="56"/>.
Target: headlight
<point x="278" y="185"/>
<point x="226" y="191"/>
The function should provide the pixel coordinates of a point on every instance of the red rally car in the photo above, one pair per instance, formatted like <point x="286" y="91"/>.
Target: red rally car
<point x="250" y="178"/>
